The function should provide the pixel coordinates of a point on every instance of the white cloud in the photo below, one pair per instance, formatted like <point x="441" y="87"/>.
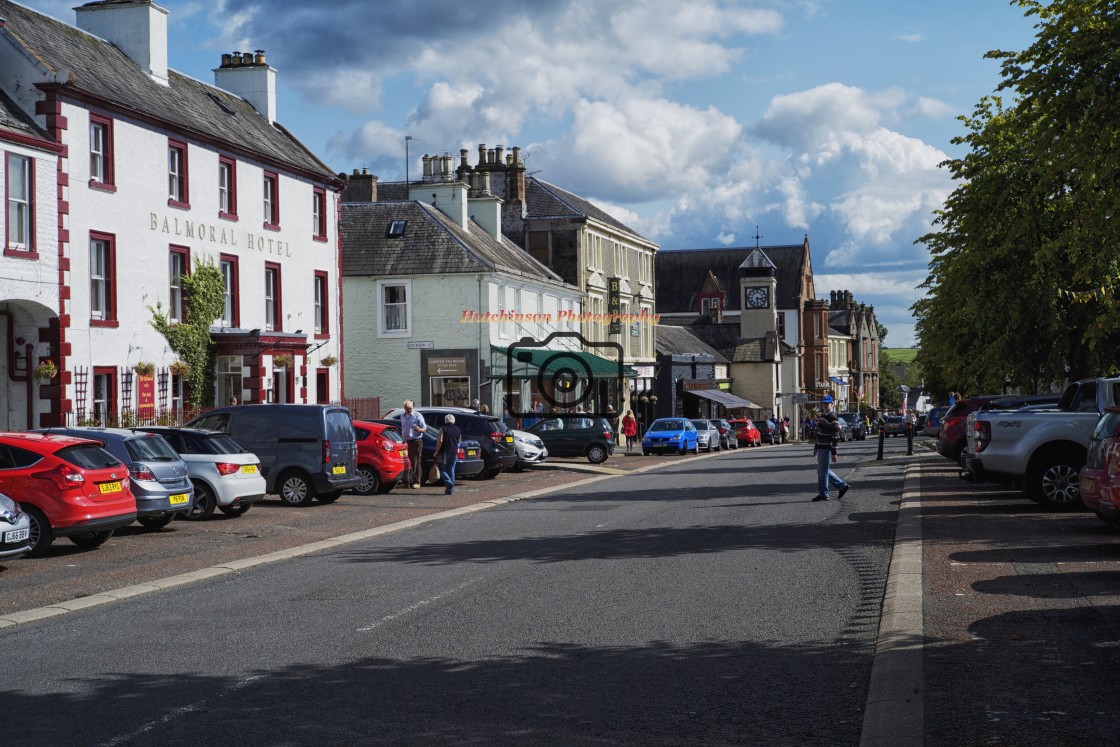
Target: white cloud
<point x="911" y="38"/>
<point x="934" y="108"/>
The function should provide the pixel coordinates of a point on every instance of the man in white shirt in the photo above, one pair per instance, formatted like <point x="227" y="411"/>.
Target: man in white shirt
<point x="412" y="428"/>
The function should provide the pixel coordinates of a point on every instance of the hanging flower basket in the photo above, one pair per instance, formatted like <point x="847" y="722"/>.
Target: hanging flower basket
<point x="181" y="369"/>
<point x="46" y="371"/>
<point x="144" y="368"/>
<point x="328" y="360"/>
<point x="283" y="360"/>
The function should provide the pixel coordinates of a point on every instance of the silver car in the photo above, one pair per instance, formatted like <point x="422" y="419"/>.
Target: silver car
<point x="707" y="435"/>
<point x="158" y="477"/>
<point x="225" y="476"/>
<point x="530" y="449"/>
<point x="15" y="529"/>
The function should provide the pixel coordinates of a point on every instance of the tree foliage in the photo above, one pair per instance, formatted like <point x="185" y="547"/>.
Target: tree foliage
<point x="1031" y="214"/>
<point x="204" y="299"/>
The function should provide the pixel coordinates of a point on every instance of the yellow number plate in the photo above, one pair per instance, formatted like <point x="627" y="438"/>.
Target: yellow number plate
<point x="179" y="498"/>
<point x="509" y="439"/>
<point x="472" y="452"/>
<point x="339" y="469"/>
<point x="249" y="469"/>
<point x="109" y="487"/>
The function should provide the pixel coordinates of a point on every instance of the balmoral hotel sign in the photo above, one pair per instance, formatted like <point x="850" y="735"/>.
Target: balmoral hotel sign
<point x="219" y="235"/>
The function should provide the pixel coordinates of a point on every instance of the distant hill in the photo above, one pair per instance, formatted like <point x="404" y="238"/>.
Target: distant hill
<point x="901" y="355"/>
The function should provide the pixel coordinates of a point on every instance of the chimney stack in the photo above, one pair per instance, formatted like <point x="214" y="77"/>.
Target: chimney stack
<point x="136" y="27"/>
<point x="360" y="187"/>
<point x="248" y="75"/>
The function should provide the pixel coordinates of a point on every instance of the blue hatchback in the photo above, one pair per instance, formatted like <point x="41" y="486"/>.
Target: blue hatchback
<point x="670" y="434"/>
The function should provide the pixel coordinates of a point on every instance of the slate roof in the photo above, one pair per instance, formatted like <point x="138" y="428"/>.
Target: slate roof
<point x="13" y="120"/>
<point x="432" y="244"/>
<point x="680" y="275"/>
<point x="673" y="340"/>
<point x="724" y="337"/>
<point x="544" y="200"/>
<point x="101" y="70"/>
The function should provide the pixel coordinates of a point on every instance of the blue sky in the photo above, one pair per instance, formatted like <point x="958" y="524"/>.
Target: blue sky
<point x="692" y="122"/>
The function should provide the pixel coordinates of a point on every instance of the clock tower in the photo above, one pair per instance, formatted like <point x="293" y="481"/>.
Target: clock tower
<point x="757" y="287"/>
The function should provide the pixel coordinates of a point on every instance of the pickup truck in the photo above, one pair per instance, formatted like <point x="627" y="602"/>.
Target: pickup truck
<point x="1041" y="450"/>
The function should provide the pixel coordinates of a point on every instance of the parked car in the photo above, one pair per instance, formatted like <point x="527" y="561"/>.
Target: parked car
<point x="853" y="426"/>
<point x="225" y="475"/>
<point x="952" y="437"/>
<point x="471" y="462"/>
<point x="307" y="452"/>
<point x="530" y="449"/>
<point x="893" y="425"/>
<point x="728" y="439"/>
<point x="15" y="530"/>
<point x="493" y="436"/>
<point x="590" y="437"/>
<point x="1102" y="465"/>
<point x="160" y="482"/>
<point x="933" y="421"/>
<point x="382" y="457"/>
<point x="768" y="431"/>
<point x="707" y="435"/>
<point x="746" y="431"/>
<point x="68" y="487"/>
<point x="670" y="434"/>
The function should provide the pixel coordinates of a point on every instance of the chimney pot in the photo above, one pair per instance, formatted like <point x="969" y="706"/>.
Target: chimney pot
<point x="247" y="58"/>
<point x="258" y="57"/>
<point x="364" y="171"/>
<point x="498" y="151"/>
<point x="490" y="156"/>
<point x="236" y="58"/>
<point x="481" y="153"/>
<point x="226" y="60"/>
<point x="355" y="172"/>
<point x="517" y="154"/>
<point x="463" y="158"/>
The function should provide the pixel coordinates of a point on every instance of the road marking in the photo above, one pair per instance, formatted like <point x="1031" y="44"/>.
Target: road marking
<point x="418" y="605"/>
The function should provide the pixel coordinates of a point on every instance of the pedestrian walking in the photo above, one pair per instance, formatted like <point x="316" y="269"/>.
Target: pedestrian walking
<point x="447" y="452"/>
<point x="826" y="438"/>
<point x="629" y="429"/>
<point x="412" y="428"/>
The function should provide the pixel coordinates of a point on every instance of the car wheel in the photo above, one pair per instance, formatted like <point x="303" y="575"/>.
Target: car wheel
<point x="371" y="481"/>
<point x="696" y="448"/>
<point x="645" y="452"/>
<point x="41" y="534"/>
<point x="204" y="503"/>
<point x="295" y="489"/>
<point x="156" y="522"/>
<point x="490" y="474"/>
<point x="91" y="540"/>
<point x="330" y="497"/>
<point x="684" y="448"/>
<point x="386" y="487"/>
<point x="596" y="454"/>
<point x="234" y="511"/>
<point x="1054" y="482"/>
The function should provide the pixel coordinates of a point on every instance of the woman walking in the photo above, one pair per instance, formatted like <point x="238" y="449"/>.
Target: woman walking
<point x="629" y="429"/>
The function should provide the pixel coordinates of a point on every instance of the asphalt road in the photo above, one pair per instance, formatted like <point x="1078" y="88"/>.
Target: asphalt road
<point x="707" y="602"/>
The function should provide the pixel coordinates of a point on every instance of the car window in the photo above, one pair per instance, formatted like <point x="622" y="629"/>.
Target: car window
<point x="392" y="434"/>
<point x="174" y="440"/>
<point x="256" y="426"/>
<point x="667" y="425"/>
<point x="216" y="444"/>
<point x="22" y="457"/>
<point x="150" y="449"/>
<point x="361" y="433"/>
<point x="88" y="456"/>
<point x="219" y="422"/>
<point x="339" y="426"/>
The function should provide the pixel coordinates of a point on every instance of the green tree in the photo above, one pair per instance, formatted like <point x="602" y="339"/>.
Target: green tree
<point x="204" y="299"/>
<point x="889" y="396"/>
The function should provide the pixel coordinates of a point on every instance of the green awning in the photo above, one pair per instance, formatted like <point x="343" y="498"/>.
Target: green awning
<point x="531" y="362"/>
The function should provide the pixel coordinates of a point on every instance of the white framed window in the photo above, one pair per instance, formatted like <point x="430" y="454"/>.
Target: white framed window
<point x="394" y="308"/>
<point x="176" y="268"/>
<point x="98" y="151"/>
<point x="19" y="202"/>
<point x="99" y="278"/>
<point x="229" y="379"/>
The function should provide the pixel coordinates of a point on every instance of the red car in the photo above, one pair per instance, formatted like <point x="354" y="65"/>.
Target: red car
<point x="951" y="439"/>
<point x="70" y="487"/>
<point x="1100" y="477"/>
<point x="382" y="457"/>
<point x="746" y="431"/>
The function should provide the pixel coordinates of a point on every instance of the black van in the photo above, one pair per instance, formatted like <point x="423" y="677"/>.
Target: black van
<point x="306" y="451"/>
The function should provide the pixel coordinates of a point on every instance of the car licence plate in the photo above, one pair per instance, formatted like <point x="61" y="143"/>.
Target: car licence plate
<point x="179" y="499"/>
<point x="472" y="452"/>
<point x="109" y="487"/>
<point x="16" y="535"/>
<point x="1086" y="484"/>
<point x="339" y="469"/>
<point x="249" y="469"/>
<point x="509" y="439"/>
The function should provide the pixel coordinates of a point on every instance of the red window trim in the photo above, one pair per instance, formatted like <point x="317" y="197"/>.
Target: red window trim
<point x="319" y="195"/>
<point x="232" y="163"/>
<point x="185" y="251"/>
<point x="321" y="276"/>
<point x="32" y="251"/>
<point x="111" y="400"/>
<point x="278" y="322"/>
<point x="110" y="319"/>
<point x="272" y="222"/>
<point x="234" y="291"/>
<point x="184" y="178"/>
<point x="109" y="183"/>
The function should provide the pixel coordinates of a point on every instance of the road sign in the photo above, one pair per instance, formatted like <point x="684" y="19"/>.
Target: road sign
<point x="422" y="345"/>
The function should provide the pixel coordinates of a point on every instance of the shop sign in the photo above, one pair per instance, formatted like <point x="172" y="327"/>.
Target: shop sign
<point x="146" y="396"/>
<point x="447" y="366"/>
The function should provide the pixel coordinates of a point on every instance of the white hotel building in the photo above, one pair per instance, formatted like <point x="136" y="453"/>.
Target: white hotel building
<point x="155" y="171"/>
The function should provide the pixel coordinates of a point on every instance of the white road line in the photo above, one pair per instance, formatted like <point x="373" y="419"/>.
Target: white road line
<point x="418" y="605"/>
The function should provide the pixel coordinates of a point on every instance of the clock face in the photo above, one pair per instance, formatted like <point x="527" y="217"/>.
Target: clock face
<point x="758" y="298"/>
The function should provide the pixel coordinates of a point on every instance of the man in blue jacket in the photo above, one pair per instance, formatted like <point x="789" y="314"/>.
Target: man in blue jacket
<point x="824" y="449"/>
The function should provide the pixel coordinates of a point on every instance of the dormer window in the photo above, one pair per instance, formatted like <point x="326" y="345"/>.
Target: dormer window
<point x="396" y="229"/>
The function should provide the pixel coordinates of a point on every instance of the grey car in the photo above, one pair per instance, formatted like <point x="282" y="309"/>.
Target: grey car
<point x="157" y="475"/>
<point x="728" y="438"/>
<point x="15" y="529"/>
<point x="707" y="435"/>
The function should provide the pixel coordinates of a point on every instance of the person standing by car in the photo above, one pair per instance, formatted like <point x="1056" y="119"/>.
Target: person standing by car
<point x="447" y="452"/>
<point x="824" y="449"/>
<point x="629" y="429"/>
<point x="412" y="428"/>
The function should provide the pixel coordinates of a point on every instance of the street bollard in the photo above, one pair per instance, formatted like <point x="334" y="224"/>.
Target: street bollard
<point x="882" y="438"/>
<point x="909" y="439"/>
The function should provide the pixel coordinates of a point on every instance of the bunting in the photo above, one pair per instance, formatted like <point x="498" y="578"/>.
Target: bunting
<point x="1109" y="287"/>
